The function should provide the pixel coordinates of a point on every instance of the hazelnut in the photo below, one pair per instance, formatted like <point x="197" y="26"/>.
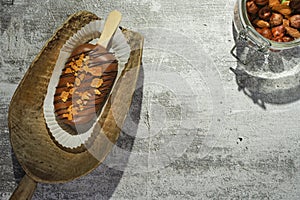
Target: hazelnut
<point x="252" y="7"/>
<point x="295" y="6"/>
<point x="295" y="21"/>
<point x="265" y="32"/>
<point x="265" y="13"/>
<point x="261" y="2"/>
<point x="278" y="31"/>
<point x="276" y="19"/>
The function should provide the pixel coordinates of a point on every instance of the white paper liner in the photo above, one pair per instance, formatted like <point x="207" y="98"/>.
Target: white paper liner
<point x="89" y="33"/>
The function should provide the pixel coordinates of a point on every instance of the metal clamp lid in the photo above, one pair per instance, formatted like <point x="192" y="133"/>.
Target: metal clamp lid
<point x="252" y="39"/>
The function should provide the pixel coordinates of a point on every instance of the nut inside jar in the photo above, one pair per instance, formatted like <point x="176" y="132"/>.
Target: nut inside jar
<point x="277" y="20"/>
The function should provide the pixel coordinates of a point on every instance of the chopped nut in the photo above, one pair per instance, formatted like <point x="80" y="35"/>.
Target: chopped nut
<point x="85" y="96"/>
<point x="96" y="82"/>
<point x="96" y="71"/>
<point x="70" y="117"/>
<point x="81" y="57"/>
<point x="86" y="59"/>
<point x="81" y="107"/>
<point x="72" y="91"/>
<point x="79" y="101"/>
<point x="72" y="110"/>
<point x="77" y="81"/>
<point x="65" y="115"/>
<point x="68" y="71"/>
<point x="97" y="92"/>
<point x="64" y="96"/>
<point x="78" y="64"/>
<point x="81" y="76"/>
<point x="69" y="85"/>
<point x="86" y="68"/>
<point x="75" y="67"/>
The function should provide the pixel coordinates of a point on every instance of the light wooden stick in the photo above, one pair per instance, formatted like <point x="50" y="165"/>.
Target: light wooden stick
<point x="111" y="24"/>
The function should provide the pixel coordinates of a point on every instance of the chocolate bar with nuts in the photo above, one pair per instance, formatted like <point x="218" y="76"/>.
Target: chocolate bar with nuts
<point x="84" y="85"/>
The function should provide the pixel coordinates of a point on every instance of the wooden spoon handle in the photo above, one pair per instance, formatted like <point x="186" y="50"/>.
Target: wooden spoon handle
<point x="25" y="189"/>
<point x="111" y="24"/>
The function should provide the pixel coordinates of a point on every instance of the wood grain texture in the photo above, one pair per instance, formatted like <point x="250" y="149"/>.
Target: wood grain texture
<point x="25" y="189"/>
<point x="40" y="157"/>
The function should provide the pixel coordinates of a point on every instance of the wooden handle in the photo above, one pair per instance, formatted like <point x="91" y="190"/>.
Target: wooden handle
<point x="111" y="24"/>
<point x="24" y="190"/>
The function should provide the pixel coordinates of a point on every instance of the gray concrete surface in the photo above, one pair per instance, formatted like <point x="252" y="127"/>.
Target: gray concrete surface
<point x="190" y="133"/>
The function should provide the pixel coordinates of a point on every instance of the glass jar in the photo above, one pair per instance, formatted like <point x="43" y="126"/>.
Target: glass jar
<point x="267" y="71"/>
<point x="247" y="33"/>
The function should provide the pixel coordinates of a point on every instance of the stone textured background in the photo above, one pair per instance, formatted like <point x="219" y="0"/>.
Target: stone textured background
<point x="190" y="133"/>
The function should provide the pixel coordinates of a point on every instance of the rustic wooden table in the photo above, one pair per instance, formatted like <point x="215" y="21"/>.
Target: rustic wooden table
<point x="190" y="133"/>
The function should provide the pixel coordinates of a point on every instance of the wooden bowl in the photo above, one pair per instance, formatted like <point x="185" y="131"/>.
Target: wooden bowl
<point x="41" y="158"/>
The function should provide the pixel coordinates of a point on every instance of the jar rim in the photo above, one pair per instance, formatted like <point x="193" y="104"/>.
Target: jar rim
<point x="274" y="45"/>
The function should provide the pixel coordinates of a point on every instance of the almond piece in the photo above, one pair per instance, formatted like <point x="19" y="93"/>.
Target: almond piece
<point x="293" y="32"/>
<point x="261" y="23"/>
<point x="283" y="9"/>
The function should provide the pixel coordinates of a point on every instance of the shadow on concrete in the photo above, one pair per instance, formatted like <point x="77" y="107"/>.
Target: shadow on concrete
<point x="102" y="182"/>
<point x="267" y="78"/>
<point x="18" y="171"/>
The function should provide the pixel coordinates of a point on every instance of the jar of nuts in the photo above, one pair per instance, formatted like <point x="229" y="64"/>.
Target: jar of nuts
<point x="267" y="24"/>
